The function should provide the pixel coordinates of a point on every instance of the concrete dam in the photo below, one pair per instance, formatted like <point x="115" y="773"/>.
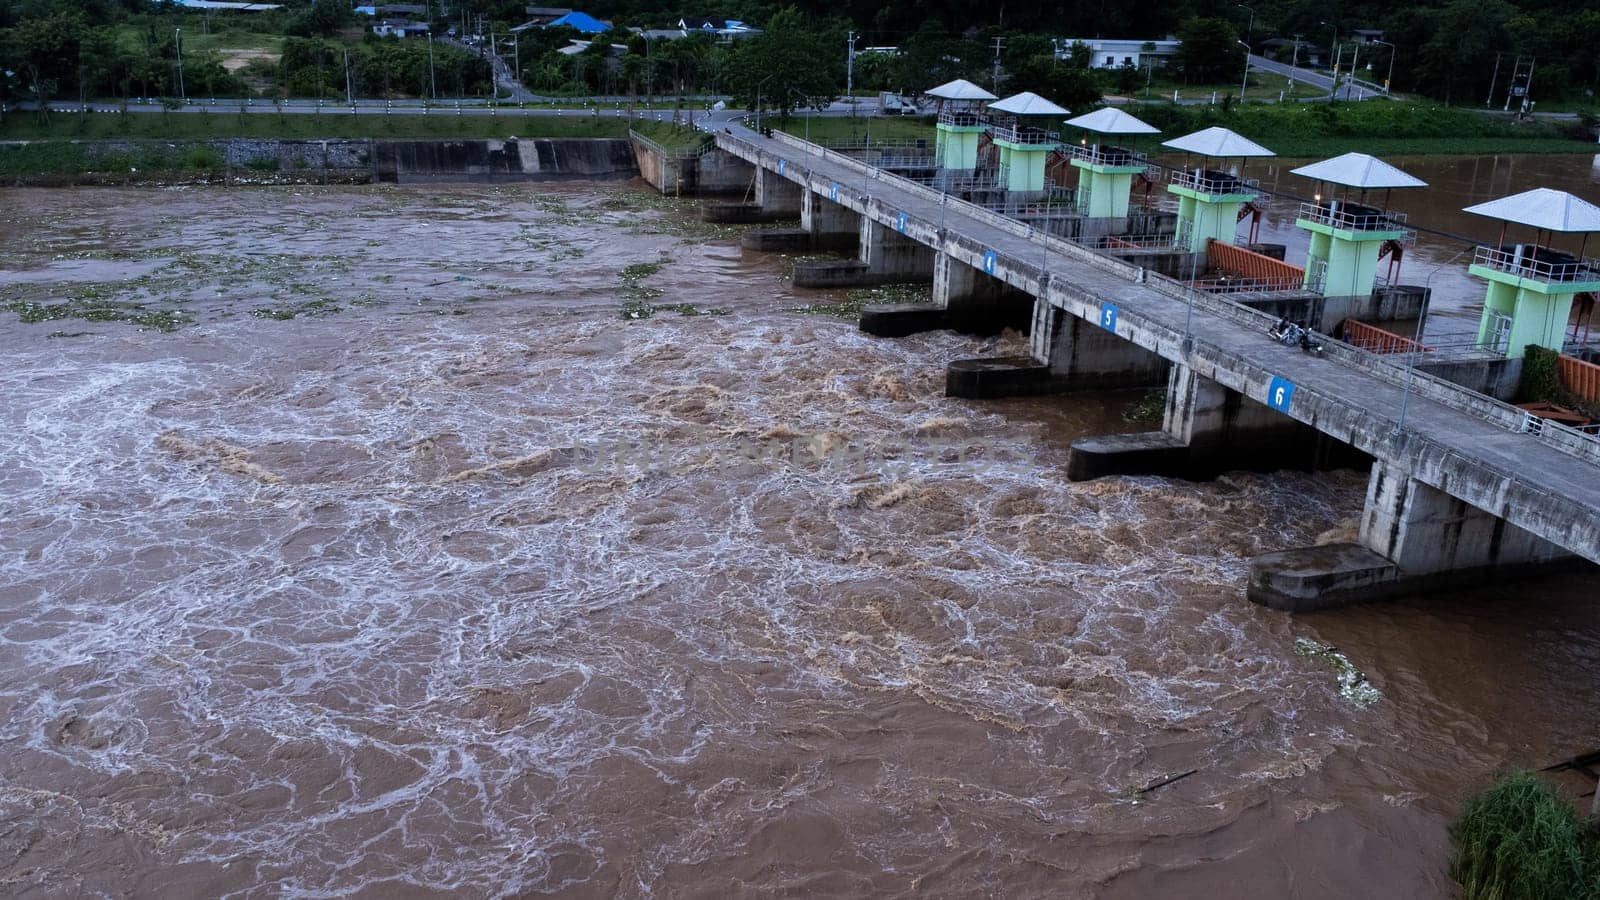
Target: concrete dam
<point x="1462" y="486"/>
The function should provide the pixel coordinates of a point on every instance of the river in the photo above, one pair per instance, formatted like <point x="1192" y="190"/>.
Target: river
<point x="431" y="550"/>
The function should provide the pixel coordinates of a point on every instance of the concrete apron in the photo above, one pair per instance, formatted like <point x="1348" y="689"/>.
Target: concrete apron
<point x="1414" y="538"/>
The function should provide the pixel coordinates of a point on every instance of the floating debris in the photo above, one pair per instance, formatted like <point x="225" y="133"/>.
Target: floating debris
<point x="1353" y="684"/>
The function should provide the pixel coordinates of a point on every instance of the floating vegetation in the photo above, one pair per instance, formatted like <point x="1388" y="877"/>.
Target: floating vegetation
<point x="860" y="298"/>
<point x="92" y="308"/>
<point x="1353" y="685"/>
<point x="322" y="307"/>
<point x="1152" y="407"/>
<point x="637" y="297"/>
<point x="639" y="271"/>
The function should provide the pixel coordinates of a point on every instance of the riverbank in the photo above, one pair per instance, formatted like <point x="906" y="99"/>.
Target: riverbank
<point x="225" y="124"/>
<point x="266" y="148"/>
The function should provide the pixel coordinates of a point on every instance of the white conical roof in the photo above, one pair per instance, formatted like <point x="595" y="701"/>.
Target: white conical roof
<point x="960" y="89"/>
<point x="1358" y="170"/>
<point x="1545" y="208"/>
<point x="1112" y="121"/>
<point x="1028" y="103"/>
<point x="1218" y="142"/>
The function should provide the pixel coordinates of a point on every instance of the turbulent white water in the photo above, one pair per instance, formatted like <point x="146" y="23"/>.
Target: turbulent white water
<point x="456" y="582"/>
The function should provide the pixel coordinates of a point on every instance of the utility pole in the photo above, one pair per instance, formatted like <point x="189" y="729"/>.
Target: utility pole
<point x="1489" y="101"/>
<point x="349" y="92"/>
<point x="1294" y="62"/>
<point x="1351" y="78"/>
<point x="178" y="37"/>
<point x="998" y="43"/>
<point x="850" y="70"/>
<point x="433" y="86"/>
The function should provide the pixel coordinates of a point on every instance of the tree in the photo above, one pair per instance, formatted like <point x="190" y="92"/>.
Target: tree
<point x="786" y="65"/>
<point x="1210" y="51"/>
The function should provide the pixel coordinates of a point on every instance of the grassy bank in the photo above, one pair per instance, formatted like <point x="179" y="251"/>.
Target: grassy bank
<point x="1520" y="841"/>
<point x="222" y="123"/>
<point x="1318" y="129"/>
<point x="827" y="129"/>
<point x="1377" y="127"/>
<point x="673" y="137"/>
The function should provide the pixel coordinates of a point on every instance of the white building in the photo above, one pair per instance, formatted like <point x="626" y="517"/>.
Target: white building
<point x="1114" y="54"/>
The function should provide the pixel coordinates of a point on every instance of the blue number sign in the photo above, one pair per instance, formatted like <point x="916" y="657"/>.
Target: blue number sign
<point x="1108" y="316"/>
<point x="1279" y="393"/>
<point x="988" y="262"/>
<point x="783" y="165"/>
<point x="900" y="223"/>
<point x="833" y="192"/>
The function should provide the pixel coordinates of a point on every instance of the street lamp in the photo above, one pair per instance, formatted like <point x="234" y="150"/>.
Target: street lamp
<point x="1245" y="81"/>
<point x="1249" y="30"/>
<point x="1388" y="79"/>
<point x="758" y="99"/>
<point x="803" y="99"/>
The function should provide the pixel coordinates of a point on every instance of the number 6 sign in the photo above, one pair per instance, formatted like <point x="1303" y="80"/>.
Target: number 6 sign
<point x="1279" y="392"/>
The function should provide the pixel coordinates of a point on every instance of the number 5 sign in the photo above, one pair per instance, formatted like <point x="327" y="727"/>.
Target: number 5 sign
<point x="1108" y="316"/>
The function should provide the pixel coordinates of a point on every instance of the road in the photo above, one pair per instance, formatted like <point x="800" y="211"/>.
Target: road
<point x="1301" y="76"/>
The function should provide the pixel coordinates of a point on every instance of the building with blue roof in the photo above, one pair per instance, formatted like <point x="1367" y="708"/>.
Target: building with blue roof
<point x="583" y="22"/>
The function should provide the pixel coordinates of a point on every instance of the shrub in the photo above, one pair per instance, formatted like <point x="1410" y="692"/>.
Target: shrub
<point x="1519" y="841"/>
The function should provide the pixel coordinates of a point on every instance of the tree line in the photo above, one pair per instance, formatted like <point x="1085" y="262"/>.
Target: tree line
<point x="1451" y="50"/>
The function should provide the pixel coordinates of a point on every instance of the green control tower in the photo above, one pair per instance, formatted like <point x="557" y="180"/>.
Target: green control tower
<point x="1105" y="172"/>
<point x="1023" y="148"/>
<point x="1209" y="199"/>
<point x="1531" y="286"/>
<point x="1347" y="235"/>
<point x="960" y="124"/>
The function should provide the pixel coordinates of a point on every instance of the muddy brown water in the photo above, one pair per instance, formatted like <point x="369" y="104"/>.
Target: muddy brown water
<point x="406" y="566"/>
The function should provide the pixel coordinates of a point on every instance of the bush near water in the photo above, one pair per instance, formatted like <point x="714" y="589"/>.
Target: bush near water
<point x="1520" y="841"/>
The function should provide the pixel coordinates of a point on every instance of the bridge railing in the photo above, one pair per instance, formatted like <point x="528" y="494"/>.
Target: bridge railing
<point x="1570" y="441"/>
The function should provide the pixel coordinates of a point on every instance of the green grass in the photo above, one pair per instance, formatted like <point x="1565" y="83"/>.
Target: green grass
<point x="841" y="128"/>
<point x="1375" y="126"/>
<point x="1263" y="86"/>
<point x="1520" y="841"/>
<point x="673" y="137"/>
<point x="225" y="123"/>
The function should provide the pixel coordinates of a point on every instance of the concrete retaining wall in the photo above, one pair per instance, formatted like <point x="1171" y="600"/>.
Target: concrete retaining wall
<point x="255" y="160"/>
<point x="533" y="159"/>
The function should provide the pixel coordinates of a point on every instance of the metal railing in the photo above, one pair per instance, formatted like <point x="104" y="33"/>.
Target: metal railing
<point x="1376" y="340"/>
<point x="1018" y="134"/>
<point x="680" y="153"/>
<point x="1528" y="261"/>
<point x="1213" y="182"/>
<point x="1125" y="242"/>
<point x="1350" y="217"/>
<point x="1241" y="284"/>
<point x="1106" y="156"/>
<point x="963" y="118"/>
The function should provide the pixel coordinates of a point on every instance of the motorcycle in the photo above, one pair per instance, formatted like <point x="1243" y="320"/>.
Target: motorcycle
<point x="1289" y="334"/>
